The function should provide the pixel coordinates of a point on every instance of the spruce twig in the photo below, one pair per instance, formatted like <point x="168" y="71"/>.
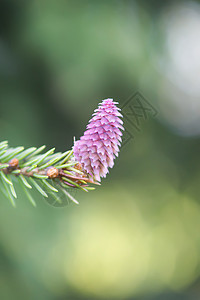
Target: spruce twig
<point x="86" y="163"/>
<point x="35" y="169"/>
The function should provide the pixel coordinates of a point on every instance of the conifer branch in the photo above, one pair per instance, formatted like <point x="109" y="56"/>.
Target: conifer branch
<point x="33" y="168"/>
<point x="86" y="163"/>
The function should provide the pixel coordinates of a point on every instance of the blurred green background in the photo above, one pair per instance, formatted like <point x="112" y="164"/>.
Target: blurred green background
<point x="137" y="236"/>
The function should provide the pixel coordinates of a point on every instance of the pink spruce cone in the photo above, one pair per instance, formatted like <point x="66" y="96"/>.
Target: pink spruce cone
<point x="98" y="147"/>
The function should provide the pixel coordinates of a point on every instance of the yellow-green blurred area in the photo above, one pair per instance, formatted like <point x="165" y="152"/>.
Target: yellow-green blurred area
<point x="137" y="236"/>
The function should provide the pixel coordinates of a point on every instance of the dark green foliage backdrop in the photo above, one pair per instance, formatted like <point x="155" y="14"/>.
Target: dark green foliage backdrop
<point x="136" y="236"/>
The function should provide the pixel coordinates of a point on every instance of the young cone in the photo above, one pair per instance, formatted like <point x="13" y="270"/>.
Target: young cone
<point x="98" y="147"/>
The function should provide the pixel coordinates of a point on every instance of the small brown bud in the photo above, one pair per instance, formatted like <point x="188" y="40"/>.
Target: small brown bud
<point x="52" y="172"/>
<point x="13" y="163"/>
<point x="78" y="167"/>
